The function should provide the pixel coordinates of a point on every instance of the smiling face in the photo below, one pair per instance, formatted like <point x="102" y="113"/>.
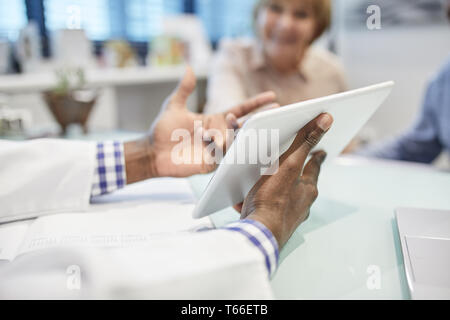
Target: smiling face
<point x="286" y="28"/>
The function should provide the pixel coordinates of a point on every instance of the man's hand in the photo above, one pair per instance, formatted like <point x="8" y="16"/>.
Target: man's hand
<point x="283" y="201"/>
<point x="151" y="156"/>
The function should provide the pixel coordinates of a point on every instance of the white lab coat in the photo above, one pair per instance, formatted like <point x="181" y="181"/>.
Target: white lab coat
<point x="49" y="176"/>
<point x="44" y="176"/>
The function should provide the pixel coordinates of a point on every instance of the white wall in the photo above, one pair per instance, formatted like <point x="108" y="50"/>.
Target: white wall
<point x="409" y="56"/>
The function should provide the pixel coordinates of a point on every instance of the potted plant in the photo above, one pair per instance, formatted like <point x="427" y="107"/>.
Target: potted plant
<point x="69" y="102"/>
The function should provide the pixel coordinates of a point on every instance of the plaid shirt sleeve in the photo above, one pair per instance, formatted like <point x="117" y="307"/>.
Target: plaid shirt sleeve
<point x="109" y="173"/>
<point x="261" y="237"/>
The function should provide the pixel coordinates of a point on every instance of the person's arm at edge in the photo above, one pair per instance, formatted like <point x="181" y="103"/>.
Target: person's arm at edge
<point x="420" y="143"/>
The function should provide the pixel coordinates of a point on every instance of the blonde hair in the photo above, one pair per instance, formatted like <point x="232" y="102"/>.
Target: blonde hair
<point x="322" y="14"/>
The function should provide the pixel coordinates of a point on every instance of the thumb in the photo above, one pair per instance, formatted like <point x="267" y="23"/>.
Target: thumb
<point x="184" y="88"/>
<point x="238" y="207"/>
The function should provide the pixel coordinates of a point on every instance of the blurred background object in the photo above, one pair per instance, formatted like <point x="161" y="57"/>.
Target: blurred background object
<point x="69" y="102"/>
<point x="167" y="51"/>
<point x="72" y="48"/>
<point x="189" y="44"/>
<point x="162" y="35"/>
<point x="400" y="12"/>
<point x="5" y="56"/>
<point x="13" y="122"/>
<point x="28" y="48"/>
<point x="119" y="54"/>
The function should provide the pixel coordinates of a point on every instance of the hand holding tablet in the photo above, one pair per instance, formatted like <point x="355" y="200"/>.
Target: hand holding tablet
<point x="267" y="135"/>
<point x="282" y="201"/>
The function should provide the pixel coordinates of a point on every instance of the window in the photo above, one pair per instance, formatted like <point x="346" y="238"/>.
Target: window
<point x="135" y="20"/>
<point x="91" y="15"/>
<point x="144" y="17"/>
<point x="230" y="18"/>
<point x="12" y="18"/>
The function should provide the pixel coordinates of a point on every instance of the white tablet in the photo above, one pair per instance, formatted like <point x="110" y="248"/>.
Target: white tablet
<point x="267" y="135"/>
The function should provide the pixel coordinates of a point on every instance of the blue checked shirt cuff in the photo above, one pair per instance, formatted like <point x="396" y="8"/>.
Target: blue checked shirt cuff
<point x="109" y="173"/>
<point x="262" y="238"/>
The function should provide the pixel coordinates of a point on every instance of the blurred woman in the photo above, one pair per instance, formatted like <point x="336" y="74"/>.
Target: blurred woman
<point x="279" y="59"/>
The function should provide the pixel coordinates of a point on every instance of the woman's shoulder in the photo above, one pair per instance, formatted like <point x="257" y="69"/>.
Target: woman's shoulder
<point x="325" y="60"/>
<point x="323" y="65"/>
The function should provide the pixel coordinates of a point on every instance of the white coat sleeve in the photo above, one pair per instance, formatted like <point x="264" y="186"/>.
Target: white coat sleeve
<point x="44" y="176"/>
<point x="216" y="264"/>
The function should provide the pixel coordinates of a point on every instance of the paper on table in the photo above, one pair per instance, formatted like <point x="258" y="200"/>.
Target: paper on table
<point x="430" y="260"/>
<point x="123" y="227"/>
<point x="162" y="189"/>
<point x="129" y="217"/>
<point x="11" y="236"/>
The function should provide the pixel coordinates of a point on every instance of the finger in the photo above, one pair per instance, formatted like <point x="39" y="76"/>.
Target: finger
<point x="273" y="106"/>
<point x="210" y="141"/>
<point x="184" y="89"/>
<point x="293" y="160"/>
<point x="308" y="137"/>
<point x="242" y="120"/>
<point x="253" y="104"/>
<point x="232" y="129"/>
<point x="312" y="168"/>
<point x="232" y="122"/>
<point x="238" y="207"/>
<point x="191" y="169"/>
<point x="218" y="140"/>
<point x="206" y="137"/>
